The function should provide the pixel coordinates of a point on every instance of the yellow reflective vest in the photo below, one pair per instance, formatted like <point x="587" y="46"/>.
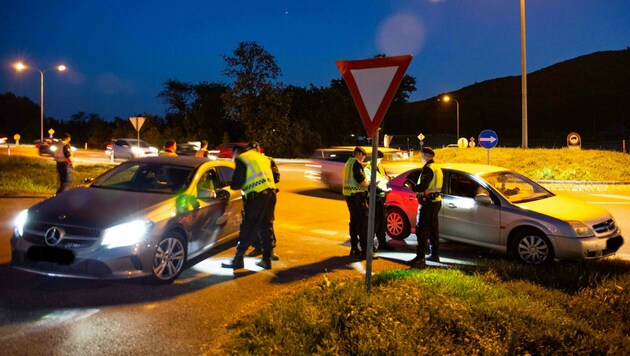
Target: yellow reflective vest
<point x="350" y="185"/>
<point x="259" y="175"/>
<point x="435" y="186"/>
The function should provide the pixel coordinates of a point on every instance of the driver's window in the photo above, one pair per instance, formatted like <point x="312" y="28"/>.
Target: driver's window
<point x="208" y="181"/>
<point x="462" y="186"/>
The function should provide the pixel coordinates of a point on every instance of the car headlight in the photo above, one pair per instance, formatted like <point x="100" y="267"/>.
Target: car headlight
<point x="126" y="234"/>
<point x="153" y="150"/>
<point x="581" y="229"/>
<point x="20" y="221"/>
<point x="53" y="148"/>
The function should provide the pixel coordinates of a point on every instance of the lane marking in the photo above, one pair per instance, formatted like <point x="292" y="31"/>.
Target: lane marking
<point x="611" y="196"/>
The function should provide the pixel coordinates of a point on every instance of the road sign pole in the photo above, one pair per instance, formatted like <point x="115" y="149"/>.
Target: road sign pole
<point x="371" y="214"/>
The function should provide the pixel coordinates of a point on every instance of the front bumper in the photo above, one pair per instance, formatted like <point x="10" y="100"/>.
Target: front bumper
<point x="591" y="248"/>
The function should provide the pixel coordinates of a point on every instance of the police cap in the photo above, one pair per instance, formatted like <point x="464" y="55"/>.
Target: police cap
<point x="360" y="149"/>
<point x="428" y="151"/>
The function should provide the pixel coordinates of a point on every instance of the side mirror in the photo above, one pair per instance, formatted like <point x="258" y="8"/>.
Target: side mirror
<point x="222" y="194"/>
<point x="483" y="199"/>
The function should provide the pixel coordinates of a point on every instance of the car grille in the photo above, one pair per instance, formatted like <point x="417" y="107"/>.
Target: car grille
<point x="75" y="237"/>
<point x="605" y="227"/>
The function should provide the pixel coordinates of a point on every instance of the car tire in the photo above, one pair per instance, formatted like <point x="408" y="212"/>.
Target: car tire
<point x="532" y="247"/>
<point x="398" y="226"/>
<point x="169" y="258"/>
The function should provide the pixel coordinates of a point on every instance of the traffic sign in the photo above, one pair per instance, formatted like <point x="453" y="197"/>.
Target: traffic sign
<point x="137" y="122"/>
<point x="421" y="137"/>
<point x="488" y="139"/>
<point x="462" y="142"/>
<point x="373" y="84"/>
<point x="574" y="140"/>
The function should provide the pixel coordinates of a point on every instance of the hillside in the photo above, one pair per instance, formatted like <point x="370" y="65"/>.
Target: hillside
<point x="587" y="94"/>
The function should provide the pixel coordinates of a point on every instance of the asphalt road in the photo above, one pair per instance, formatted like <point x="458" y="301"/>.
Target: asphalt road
<point x="54" y="316"/>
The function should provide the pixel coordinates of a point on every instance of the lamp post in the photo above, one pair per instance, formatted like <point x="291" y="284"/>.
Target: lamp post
<point x="446" y="99"/>
<point x="20" y="66"/>
<point x="523" y="75"/>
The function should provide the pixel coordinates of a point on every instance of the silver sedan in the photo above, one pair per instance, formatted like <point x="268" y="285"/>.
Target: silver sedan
<point x="145" y="217"/>
<point x="502" y="210"/>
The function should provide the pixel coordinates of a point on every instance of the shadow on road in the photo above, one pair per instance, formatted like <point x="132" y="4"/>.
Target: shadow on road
<point x="321" y="193"/>
<point x="305" y="271"/>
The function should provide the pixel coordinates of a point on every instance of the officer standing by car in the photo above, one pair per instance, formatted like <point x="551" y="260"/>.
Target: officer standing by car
<point x="203" y="150"/>
<point x="254" y="176"/>
<point x="380" y="220"/>
<point x="355" y="187"/>
<point x="428" y="190"/>
<point x="170" y="146"/>
<point x="63" y="157"/>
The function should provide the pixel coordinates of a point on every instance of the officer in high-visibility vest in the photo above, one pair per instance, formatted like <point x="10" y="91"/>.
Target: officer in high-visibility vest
<point x="380" y="220"/>
<point x="253" y="175"/>
<point x="355" y="186"/>
<point x="170" y="146"/>
<point x="428" y="191"/>
<point x="63" y="157"/>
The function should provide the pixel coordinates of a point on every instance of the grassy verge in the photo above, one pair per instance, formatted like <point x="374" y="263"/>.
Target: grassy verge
<point x="496" y="308"/>
<point x="23" y="175"/>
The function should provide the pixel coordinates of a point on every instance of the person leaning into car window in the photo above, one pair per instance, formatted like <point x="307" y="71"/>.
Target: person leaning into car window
<point x="428" y="191"/>
<point x="254" y="176"/>
<point x="169" y="149"/>
<point x="355" y="186"/>
<point x="63" y="157"/>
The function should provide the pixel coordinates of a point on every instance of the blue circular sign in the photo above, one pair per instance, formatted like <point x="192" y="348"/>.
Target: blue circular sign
<point x="488" y="139"/>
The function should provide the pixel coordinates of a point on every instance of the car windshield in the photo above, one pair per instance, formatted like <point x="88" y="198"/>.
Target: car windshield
<point x="515" y="187"/>
<point x="135" y="143"/>
<point x="149" y="178"/>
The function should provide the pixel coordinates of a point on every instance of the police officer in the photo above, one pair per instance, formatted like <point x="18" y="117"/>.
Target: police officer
<point x="428" y="191"/>
<point x="355" y="187"/>
<point x="380" y="220"/>
<point x="203" y="150"/>
<point x="63" y="157"/>
<point x="170" y="146"/>
<point x="253" y="175"/>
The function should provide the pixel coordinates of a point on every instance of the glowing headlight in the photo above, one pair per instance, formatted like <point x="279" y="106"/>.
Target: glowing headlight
<point x="126" y="234"/>
<point x="153" y="150"/>
<point x="20" y="221"/>
<point x="137" y="150"/>
<point x="581" y="229"/>
<point x="53" y="148"/>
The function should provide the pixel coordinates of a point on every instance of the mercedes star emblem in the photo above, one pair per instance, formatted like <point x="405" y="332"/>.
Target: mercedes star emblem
<point x="53" y="236"/>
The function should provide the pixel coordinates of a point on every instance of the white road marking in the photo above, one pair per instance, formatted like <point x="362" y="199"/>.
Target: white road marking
<point x="612" y="196"/>
<point x="325" y="232"/>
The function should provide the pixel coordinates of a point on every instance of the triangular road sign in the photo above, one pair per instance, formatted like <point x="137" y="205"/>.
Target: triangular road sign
<point x="373" y="84"/>
<point x="137" y="122"/>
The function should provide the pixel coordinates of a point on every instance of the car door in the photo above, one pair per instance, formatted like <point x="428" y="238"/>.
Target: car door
<point x="464" y="219"/>
<point x="232" y="216"/>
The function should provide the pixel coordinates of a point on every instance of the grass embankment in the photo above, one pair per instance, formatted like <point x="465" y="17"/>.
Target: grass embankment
<point x="500" y="308"/>
<point x="547" y="164"/>
<point x="23" y="175"/>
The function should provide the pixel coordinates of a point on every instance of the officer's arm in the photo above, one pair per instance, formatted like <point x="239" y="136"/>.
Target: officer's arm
<point x="238" y="179"/>
<point x="359" y="174"/>
<point x="425" y="180"/>
<point x="67" y="152"/>
<point x="275" y="171"/>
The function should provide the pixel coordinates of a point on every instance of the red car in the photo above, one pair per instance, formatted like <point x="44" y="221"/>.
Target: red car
<point x="226" y="150"/>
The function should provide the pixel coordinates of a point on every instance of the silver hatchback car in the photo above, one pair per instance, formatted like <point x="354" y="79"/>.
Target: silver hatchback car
<point x="502" y="210"/>
<point x="145" y="217"/>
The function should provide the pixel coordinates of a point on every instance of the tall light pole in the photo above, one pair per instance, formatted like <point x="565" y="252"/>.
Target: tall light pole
<point x="446" y="99"/>
<point x="20" y="66"/>
<point x="523" y="75"/>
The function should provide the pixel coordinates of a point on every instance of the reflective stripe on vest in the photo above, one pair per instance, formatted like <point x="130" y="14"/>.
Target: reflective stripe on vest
<point x="435" y="186"/>
<point x="259" y="175"/>
<point x="350" y="185"/>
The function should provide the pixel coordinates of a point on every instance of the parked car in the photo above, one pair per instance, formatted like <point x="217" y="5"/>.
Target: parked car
<point x="226" y="150"/>
<point x="326" y="164"/>
<point x="49" y="146"/>
<point x="130" y="148"/>
<point x="188" y="148"/>
<point x="144" y="217"/>
<point x="502" y="210"/>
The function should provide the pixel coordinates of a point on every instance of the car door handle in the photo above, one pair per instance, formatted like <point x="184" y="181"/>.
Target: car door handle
<point x="451" y="205"/>
<point x="412" y="198"/>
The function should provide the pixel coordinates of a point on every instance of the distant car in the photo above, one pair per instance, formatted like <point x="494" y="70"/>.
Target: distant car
<point x="49" y="146"/>
<point x="226" y="150"/>
<point x="502" y="210"/>
<point x="146" y="217"/>
<point x="130" y="148"/>
<point x="326" y="164"/>
<point x="187" y="148"/>
<point x="3" y="139"/>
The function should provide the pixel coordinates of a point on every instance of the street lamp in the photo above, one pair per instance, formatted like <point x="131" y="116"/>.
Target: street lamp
<point x="446" y="99"/>
<point x="20" y="66"/>
<point x="523" y="76"/>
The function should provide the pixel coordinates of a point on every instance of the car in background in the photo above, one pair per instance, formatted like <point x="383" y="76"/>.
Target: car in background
<point x="326" y="164"/>
<point x="3" y="139"/>
<point x="146" y="217"/>
<point x="49" y="146"/>
<point x="226" y="150"/>
<point x="496" y="208"/>
<point x="130" y="148"/>
<point x="189" y="148"/>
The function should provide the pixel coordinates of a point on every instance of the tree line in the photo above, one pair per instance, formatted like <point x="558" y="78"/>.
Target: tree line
<point x="287" y="120"/>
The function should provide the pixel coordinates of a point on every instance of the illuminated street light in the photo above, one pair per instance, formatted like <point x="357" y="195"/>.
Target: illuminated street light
<point x="20" y="66"/>
<point x="446" y="99"/>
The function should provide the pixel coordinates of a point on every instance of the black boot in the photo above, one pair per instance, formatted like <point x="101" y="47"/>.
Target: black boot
<point x="417" y="262"/>
<point x="236" y="263"/>
<point x="257" y="251"/>
<point x="264" y="262"/>
<point x="274" y="257"/>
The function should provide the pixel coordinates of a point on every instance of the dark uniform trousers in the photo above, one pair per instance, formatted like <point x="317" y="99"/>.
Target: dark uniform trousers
<point x="258" y="222"/>
<point x="427" y="227"/>
<point x="380" y="219"/>
<point x="358" y="208"/>
<point x="64" y="171"/>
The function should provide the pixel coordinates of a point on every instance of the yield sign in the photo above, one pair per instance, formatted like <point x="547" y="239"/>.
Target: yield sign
<point x="373" y="84"/>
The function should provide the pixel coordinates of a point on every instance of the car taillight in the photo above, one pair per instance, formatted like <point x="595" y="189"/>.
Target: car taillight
<point x="109" y="146"/>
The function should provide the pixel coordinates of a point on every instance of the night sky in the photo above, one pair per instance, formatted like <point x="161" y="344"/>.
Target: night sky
<point x="119" y="53"/>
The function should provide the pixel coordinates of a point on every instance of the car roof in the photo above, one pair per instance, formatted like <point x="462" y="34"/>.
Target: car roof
<point x="472" y="168"/>
<point x="185" y="161"/>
